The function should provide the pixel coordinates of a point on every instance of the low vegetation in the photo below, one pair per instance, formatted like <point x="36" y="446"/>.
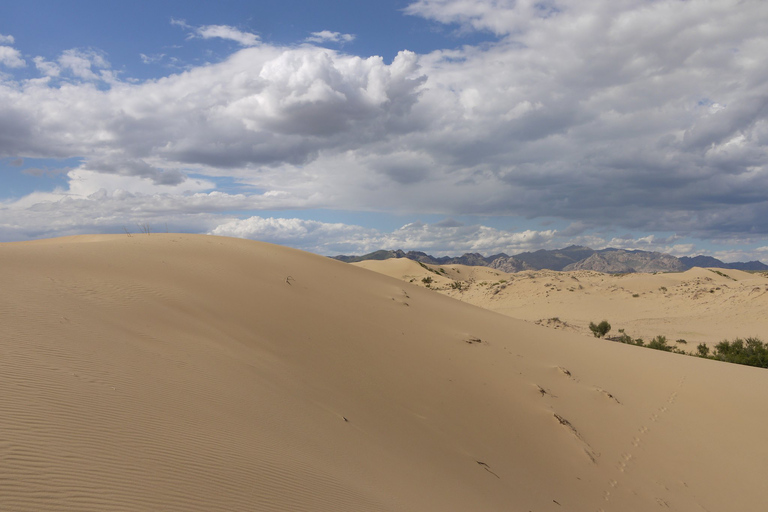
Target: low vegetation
<point x="748" y="351"/>
<point x="599" y="330"/>
<point x="723" y="274"/>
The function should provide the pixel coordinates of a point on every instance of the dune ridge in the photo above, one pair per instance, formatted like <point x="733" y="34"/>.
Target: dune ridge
<point x="189" y="372"/>
<point x="698" y="305"/>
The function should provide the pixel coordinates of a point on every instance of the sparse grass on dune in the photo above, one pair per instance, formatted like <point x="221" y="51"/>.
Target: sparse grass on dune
<point x="196" y="373"/>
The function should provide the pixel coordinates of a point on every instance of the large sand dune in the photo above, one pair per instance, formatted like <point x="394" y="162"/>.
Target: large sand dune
<point x="195" y="373"/>
<point x="699" y="305"/>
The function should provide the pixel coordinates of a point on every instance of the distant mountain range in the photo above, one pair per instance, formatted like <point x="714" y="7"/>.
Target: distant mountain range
<point x="574" y="257"/>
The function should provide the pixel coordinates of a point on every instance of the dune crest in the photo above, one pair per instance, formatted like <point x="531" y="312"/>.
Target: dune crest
<point x="698" y="305"/>
<point x="197" y="373"/>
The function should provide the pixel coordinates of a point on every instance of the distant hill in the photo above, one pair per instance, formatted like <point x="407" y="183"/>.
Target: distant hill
<point x="574" y="257"/>
<point x="556" y="259"/>
<point x="620" y="261"/>
<point x="709" y="261"/>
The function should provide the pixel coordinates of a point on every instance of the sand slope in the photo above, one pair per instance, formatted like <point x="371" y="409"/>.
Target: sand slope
<point x="699" y="305"/>
<point x="194" y="373"/>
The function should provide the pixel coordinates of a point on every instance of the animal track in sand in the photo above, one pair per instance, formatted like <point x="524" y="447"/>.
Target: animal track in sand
<point x="625" y="458"/>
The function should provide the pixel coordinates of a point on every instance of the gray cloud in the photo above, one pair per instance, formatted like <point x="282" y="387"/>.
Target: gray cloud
<point x="135" y="167"/>
<point x="626" y="116"/>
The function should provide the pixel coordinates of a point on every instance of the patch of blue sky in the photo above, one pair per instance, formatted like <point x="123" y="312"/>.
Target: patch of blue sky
<point x="227" y="184"/>
<point x="386" y="222"/>
<point x="22" y="176"/>
<point x="145" y="44"/>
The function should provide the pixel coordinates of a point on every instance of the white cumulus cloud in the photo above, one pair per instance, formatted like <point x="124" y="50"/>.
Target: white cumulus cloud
<point x="11" y="57"/>
<point x="46" y="67"/>
<point x="219" y="32"/>
<point x="328" y="36"/>
<point x="339" y="238"/>
<point x="622" y="116"/>
<point x="85" y="64"/>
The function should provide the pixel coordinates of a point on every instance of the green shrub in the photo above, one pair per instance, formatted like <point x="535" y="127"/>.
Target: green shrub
<point x="599" y="330"/>
<point x="660" y="343"/>
<point x="750" y="351"/>
<point x="427" y="280"/>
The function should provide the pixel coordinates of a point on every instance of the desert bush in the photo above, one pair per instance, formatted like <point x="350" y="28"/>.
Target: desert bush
<point x="427" y="280"/>
<point x="750" y="351"/>
<point x="660" y="343"/>
<point x="428" y="268"/>
<point x="601" y="329"/>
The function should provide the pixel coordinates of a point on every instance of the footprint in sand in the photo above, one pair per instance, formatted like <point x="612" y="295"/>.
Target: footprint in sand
<point x="626" y="457"/>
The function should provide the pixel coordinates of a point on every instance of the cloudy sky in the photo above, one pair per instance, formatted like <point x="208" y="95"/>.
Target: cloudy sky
<point x="447" y="126"/>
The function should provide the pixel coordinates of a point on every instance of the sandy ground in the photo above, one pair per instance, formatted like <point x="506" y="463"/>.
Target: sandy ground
<point x="698" y="306"/>
<point x="195" y="373"/>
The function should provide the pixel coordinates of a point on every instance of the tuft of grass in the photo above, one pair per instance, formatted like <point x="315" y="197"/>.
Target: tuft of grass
<point x="722" y="274"/>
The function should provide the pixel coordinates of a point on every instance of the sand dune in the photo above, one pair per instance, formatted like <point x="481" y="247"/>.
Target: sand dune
<point x="195" y="373"/>
<point x="699" y="305"/>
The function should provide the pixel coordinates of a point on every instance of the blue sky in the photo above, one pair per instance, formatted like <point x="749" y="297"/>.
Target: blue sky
<point x="447" y="126"/>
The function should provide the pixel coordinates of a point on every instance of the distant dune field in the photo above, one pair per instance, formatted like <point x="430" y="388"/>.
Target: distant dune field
<point x="699" y="305"/>
<point x="196" y="373"/>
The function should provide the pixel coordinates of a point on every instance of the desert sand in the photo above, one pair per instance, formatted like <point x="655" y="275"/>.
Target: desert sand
<point x="698" y="306"/>
<point x="195" y="373"/>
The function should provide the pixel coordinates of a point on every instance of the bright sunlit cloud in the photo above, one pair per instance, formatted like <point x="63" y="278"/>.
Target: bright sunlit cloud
<point x="631" y="123"/>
